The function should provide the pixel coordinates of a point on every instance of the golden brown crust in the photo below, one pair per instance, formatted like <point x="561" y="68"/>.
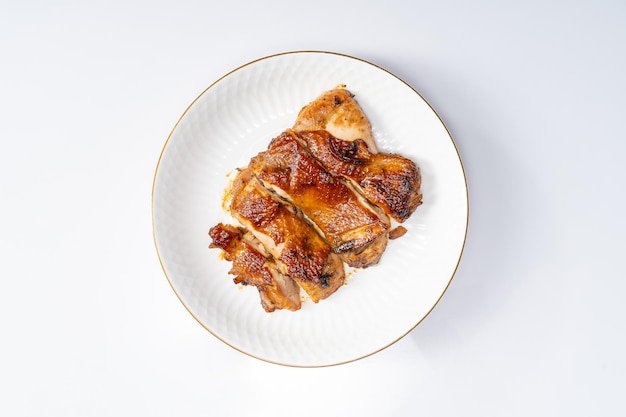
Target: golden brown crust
<point x="350" y="225"/>
<point x="320" y="195"/>
<point x="299" y="250"/>
<point x="390" y="181"/>
<point x="251" y="267"/>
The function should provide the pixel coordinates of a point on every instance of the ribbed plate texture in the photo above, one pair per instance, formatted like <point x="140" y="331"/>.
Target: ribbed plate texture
<point x="233" y="120"/>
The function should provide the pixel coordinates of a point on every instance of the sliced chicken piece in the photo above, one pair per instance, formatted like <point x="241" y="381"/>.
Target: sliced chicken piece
<point x="355" y="229"/>
<point x="252" y="266"/>
<point x="337" y="112"/>
<point x="300" y="252"/>
<point x="388" y="180"/>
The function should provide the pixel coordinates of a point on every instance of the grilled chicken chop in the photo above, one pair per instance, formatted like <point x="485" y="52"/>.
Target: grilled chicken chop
<point x="339" y="135"/>
<point x="337" y="112"/>
<point x="327" y="171"/>
<point x="355" y="229"/>
<point x="299" y="251"/>
<point x="252" y="266"/>
<point x="390" y="181"/>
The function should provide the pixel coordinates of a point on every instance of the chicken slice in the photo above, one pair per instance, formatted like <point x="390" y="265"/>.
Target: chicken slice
<point x="388" y="180"/>
<point x="300" y="252"/>
<point x="355" y="229"/>
<point x="337" y="112"/>
<point x="252" y="266"/>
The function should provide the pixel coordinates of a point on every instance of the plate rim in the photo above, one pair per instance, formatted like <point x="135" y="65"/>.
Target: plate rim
<point x="296" y="52"/>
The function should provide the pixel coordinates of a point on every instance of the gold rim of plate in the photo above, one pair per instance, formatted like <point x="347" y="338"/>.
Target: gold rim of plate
<point x="466" y="214"/>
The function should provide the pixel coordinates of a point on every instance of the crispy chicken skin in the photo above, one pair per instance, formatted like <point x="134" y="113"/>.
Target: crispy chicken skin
<point x="354" y="228"/>
<point x="336" y="111"/>
<point x="388" y="180"/>
<point x="299" y="251"/>
<point x="339" y="134"/>
<point x="320" y="195"/>
<point x="251" y="266"/>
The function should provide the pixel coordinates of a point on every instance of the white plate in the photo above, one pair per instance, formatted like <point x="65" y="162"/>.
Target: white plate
<point x="233" y="120"/>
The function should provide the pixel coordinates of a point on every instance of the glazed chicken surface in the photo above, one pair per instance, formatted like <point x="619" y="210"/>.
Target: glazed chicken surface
<point x="355" y="229"/>
<point x="252" y="266"/>
<point x="390" y="181"/>
<point x="321" y="194"/>
<point x="300" y="252"/>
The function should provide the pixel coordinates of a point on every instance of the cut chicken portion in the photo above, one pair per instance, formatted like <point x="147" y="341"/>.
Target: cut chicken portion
<point x="320" y="195"/>
<point x="355" y="229"/>
<point x="300" y="252"/>
<point x="388" y="180"/>
<point x="253" y="266"/>
<point x="336" y="111"/>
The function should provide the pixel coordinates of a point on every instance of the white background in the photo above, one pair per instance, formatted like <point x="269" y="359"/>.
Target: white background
<point x="533" y="94"/>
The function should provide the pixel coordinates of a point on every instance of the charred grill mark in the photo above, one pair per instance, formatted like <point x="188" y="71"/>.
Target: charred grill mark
<point x="407" y="185"/>
<point x="325" y="280"/>
<point x="394" y="199"/>
<point x="347" y="151"/>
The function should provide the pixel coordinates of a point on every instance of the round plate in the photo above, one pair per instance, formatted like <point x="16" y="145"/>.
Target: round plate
<point x="233" y="120"/>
